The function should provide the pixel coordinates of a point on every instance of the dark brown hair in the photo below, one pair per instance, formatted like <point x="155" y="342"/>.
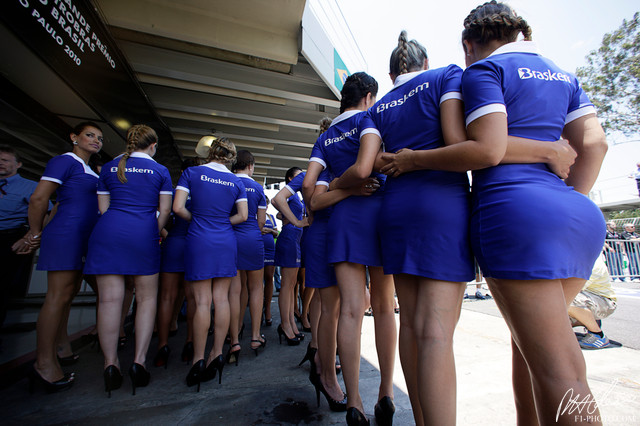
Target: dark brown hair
<point x="244" y="159"/>
<point x="494" y="21"/>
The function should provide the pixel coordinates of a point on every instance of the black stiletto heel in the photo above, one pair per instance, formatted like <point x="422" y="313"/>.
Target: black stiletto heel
<point x="139" y="376"/>
<point x="384" y="411"/>
<point x="334" y="405"/>
<point x="162" y="357"/>
<point x="50" y="387"/>
<point x="300" y="337"/>
<point x="356" y="418"/>
<point x="261" y="344"/>
<point x="311" y="353"/>
<point x="195" y="374"/>
<point x="216" y="365"/>
<point x="291" y="342"/>
<point x="233" y="356"/>
<point x="112" y="379"/>
<point x="187" y="352"/>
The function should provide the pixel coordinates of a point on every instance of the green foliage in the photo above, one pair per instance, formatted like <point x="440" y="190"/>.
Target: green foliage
<point x="612" y="78"/>
<point x="624" y="214"/>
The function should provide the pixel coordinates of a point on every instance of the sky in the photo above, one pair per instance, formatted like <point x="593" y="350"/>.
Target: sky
<point x="565" y="31"/>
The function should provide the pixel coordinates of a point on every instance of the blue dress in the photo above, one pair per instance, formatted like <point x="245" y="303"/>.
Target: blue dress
<point x="269" y="241"/>
<point x="248" y="236"/>
<point x="424" y="220"/>
<point x="288" y="243"/>
<point x="353" y="227"/>
<point x="174" y="245"/>
<point x="125" y="240"/>
<point x="65" y="239"/>
<point x="319" y="272"/>
<point x="527" y="223"/>
<point x="211" y="242"/>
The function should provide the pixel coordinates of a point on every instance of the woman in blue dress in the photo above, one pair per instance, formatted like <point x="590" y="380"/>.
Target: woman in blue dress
<point x="171" y="281"/>
<point x="354" y="247"/>
<point x="269" y="234"/>
<point x="288" y="252"/>
<point x="63" y="244"/>
<point x="134" y="197"/>
<point x="510" y="89"/>
<point x="215" y="194"/>
<point x="248" y="282"/>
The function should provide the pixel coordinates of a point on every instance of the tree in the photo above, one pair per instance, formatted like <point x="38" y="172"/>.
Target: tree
<point x="611" y="78"/>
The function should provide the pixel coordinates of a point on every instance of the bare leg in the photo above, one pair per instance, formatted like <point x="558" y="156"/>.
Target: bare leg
<point x="407" y="289"/>
<point x="147" y="300"/>
<point x="222" y="315"/>
<point x="233" y="298"/>
<point x="111" y="288"/>
<point x="382" y="291"/>
<point x="126" y="302"/>
<point x="314" y="314"/>
<point x="244" y="297"/>
<point x="548" y="344"/>
<point x="202" y="296"/>
<point x="191" y="310"/>
<point x="351" y="282"/>
<point x="327" y="340"/>
<point x="268" y="290"/>
<point x="61" y="288"/>
<point x="256" y="298"/>
<point x="63" y="347"/>
<point x="169" y="284"/>
<point x="177" y="305"/>
<point x="307" y="295"/>
<point x="522" y="389"/>
<point x="285" y="300"/>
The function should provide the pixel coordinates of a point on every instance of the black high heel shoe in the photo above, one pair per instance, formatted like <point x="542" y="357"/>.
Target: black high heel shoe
<point x="66" y="361"/>
<point x="261" y="344"/>
<point x="195" y="374"/>
<point x="300" y="336"/>
<point x="291" y="342"/>
<point x="384" y="411"/>
<point x="356" y="418"/>
<point x="210" y="372"/>
<point x="50" y="387"/>
<point x="162" y="357"/>
<point x="112" y="379"/>
<point x="139" y="376"/>
<point x="187" y="352"/>
<point x="311" y="353"/>
<point x="334" y="405"/>
<point x="233" y="356"/>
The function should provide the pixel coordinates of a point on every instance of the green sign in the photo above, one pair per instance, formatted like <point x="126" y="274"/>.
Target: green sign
<point x="341" y="72"/>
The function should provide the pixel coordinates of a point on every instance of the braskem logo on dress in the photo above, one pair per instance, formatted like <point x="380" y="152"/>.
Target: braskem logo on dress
<point x="400" y="101"/>
<point x="216" y="180"/>
<point x="133" y="170"/>
<point x="527" y="73"/>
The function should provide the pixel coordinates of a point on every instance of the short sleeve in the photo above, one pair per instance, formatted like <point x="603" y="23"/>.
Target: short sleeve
<point x="368" y="125"/>
<point x="59" y="169"/>
<point x="262" y="203"/>
<point x="580" y="105"/>
<point x="296" y="183"/>
<point x="184" y="181"/>
<point x="451" y="84"/>
<point x="324" y="178"/>
<point x="166" y="188"/>
<point x="317" y="153"/>
<point x="482" y="91"/>
<point x="241" y="194"/>
<point x="102" y="184"/>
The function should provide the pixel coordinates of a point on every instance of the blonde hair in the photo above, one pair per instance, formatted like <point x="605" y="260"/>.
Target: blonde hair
<point x="139" y="137"/>
<point x="222" y="151"/>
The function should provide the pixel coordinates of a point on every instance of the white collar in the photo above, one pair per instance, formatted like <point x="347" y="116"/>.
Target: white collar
<point x="141" y="155"/>
<point x="86" y="168"/>
<point x="217" y="167"/>
<point x="403" y="78"/>
<point x="243" y="175"/>
<point x="521" y="46"/>
<point x="344" y="116"/>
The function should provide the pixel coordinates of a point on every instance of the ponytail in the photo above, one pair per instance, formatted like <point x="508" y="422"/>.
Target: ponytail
<point x="407" y="57"/>
<point x="139" y="137"/>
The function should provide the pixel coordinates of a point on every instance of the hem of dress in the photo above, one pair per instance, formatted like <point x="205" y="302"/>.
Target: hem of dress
<point x="393" y="270"/>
